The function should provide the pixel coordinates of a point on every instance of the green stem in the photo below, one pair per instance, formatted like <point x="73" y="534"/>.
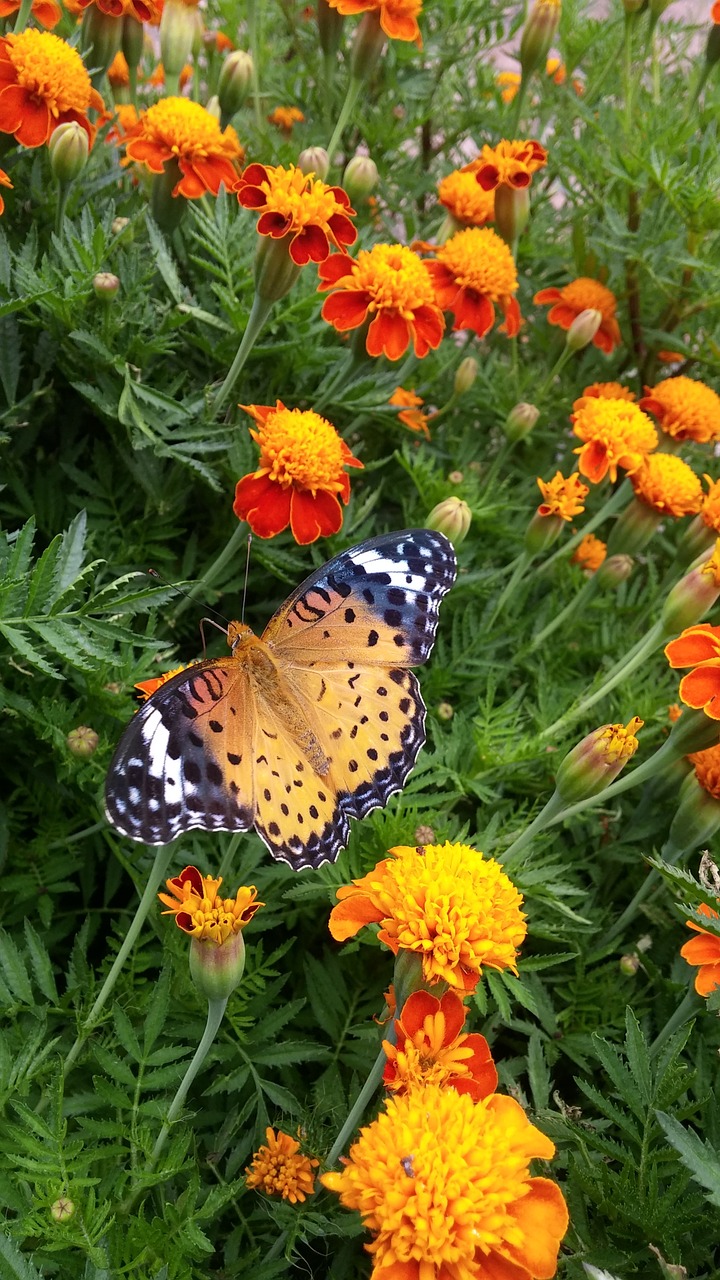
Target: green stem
<point x="22" y="16"/>
<point x="688" y="1006"/>
<point x="517" y="106"/>
<point x="628" y="69"/>
<point x="652" y="879"/>
<point x="583" y="597"/>
<point x="254" y="32"/>
<point x="550" y="814"/>
<point x="351" y="97"/>
<point x="618" y="500"/>
<point x="358" y="1108"/>
<point x="215" y="1013"/>
<point x="63" y="194"/>
<point x="261" y="309"/>
<point x="172" y="85"/>
<point x="232" y="546"/>
<point x="132" y="81"/>
<point x="559" y="364"/>
<point x="524" y="561"/>
<point x="497" y="463"/>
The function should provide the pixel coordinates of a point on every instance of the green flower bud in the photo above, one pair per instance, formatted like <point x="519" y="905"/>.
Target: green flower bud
<point x="452" y="517"/>
<point x="614" y="570"/>
<point x="167" y="210"/>
<point x="314" y="160"/>
<point x="596" y="761"/>
<point x="68" y="149"/>
<point x="133" y="41"/>
<point x="445" y="712"/>
<point x="465" y="375"/>
<point x="538" y="34"/>
<point x="106" y="286"/>
<point x="424" y="835"/>
<point x="275" y="271"/>
<point x="368" y="45"/>
<point x="521" y="420"/>
<point x="512" y="210"/>
<point x="360" y="177"/>
<point x="82" y="742"/>
<point x="62" y="1209"/>
<point x="629" y="966"/>
<point x="178" y="28"/>
<point x="234" y="82"/>
<point x="633" y="529"/>
<point x="541" y="532"/>
<point x="583" y="329"/>
<point x="693" y="595"/>
<point x="217" y="968"/>
<point x="697" y="817"/>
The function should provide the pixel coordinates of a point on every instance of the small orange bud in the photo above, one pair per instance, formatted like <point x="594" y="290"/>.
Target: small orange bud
<point x="521" y="420"/>
<point x="596" y="761"/>
<point x="82" y="741"/>
<point x="583" y="329"/>
<point x="451" y="517"/>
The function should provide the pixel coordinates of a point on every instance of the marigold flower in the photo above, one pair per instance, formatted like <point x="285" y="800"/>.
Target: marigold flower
<point x="512" y="163"/>
<point x="181" y="130"/>
<point x="411" y="415"/>
<point x="465" y="199"/>
<point x="556" y="70"/>
<point x="715" y="12"/>
<point x="149" y="11"/>
<point x="589" y="553"/>
<point x="704" y="950"/>
<point x="300" y="477"/>
<point x="295" y="204"/>
<point x="605" y="391"/>
<point x="430" y="1048"/>
<point x="157" y="78"/>
<point x="561" y="497"/>
<point x="710" y="510"/>
<point x="674" y="712"/>
<point x="46" y="12"/>
<point x="473" y="270"/>
<point x="219" y="41"/>
<point x="147" y="687"/>
<point x="616" y="434"/>
<point x="125" y="119"/>
<point x="4" y="182"/>
<point x="393" y="286"/>
<point x="43" y="83"/>
<point x="447" y="903"/>
<point x="667" y="484"/>
<point x="398" y="18"/>
<point x="596" y="760"/>
<point x="279" y="1169"/>
<point x="581" y="295"/>
<point x="199" y="910"/>
<point x="686" y="409"/>
<point x="444" y="1184"/>
<point x="284" y="118"/>
<point x="707" y="769"/>
<point x="118" y="73"/>
<point x="698" y="647"/>
<point x="508" y="82"/>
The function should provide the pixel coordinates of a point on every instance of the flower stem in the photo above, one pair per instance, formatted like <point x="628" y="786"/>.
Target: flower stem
<point x="22" y="16"/>
<point x="215" y="1013"/>
<point x="172" y="85"/>
<point x="685" y="1010"/>
<point x="351" y="97"/>
<point x="552" y="813"/>
<point x="358" y="1107"/>
<point x="524" y="561"/>
<point x="232" y="546"/>
<point x="254" y="37"/>
<point x="619" y="499"/>
<point x="63" y="193"/>
<point x="582" y="597"/>
<point x="517" y="106"/>
<point x="558" y="365"/>
<point x="259" y="313"/>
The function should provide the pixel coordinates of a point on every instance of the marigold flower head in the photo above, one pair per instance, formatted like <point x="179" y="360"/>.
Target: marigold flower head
<point x="698" y="647"/>
<point x="465" y="199"/>
<point x="398" y="18"/>
<point x="704" y="950"/>
<point x="279" y="1169"/>
<point x="298" y="205"/>
<point x="43" y="83"/>
<point x="561" y="497"/>
<point x="147" y="687"/>
<point x="284" y="118"/>
<point x="181" y="130"/>
<point x="412" y="415"/>
<point x="605" y="391"/>
<point x="444" y="1185"/>
<point x="219" y="41"/>
<point x="300" y="478"/>
<point x="707" y="770"/>
<point x="46" y="12"/>
<point x="118" y="73"/>
<point x="4" y="182"/>
<point x="508" y="82"/>
<point x="199" y="910"/>
<point x="685" y="408"/>
<point x="589" y="553"/>
<point x="512" y="163"/>
<point x="471" y="272"/>
<point x="710" y="510"/>
<point x="667" y="484"/>
<point x="581" y="295"/>
<point x="391" y="286"/>
<point x="715" y="12"/>
<point x="430" y="1048"/>
<point x="124" y="119"/>
<point x="447" y="903"/>
<point x="674" y="712"/>
<point x="157" y="77"/>
<point x="149" y="11"/>
<point x="556" y="70"/>
<point x="616" y="433"/>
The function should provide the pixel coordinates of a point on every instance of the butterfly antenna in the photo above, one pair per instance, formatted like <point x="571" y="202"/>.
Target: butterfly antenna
<point x="247" y="574"/>
<point x="188" y="596"/>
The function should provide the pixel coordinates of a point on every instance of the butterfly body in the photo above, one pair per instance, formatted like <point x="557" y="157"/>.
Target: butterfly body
<point x="316" y="722"/>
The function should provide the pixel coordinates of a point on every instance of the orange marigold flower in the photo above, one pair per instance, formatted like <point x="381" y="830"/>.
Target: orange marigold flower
<point x="157" y="78"/>
<point x="398" y="18"/>
<point x="580" y="295"/>
<point x="589" y="553"/>
<point x="393" y="286"/>
<point x="667" y="484"/>
<point x="715" y="12"/>
<point x="285" y="117"/>
<point x="430" y="1048"/>
<point x="707" y="770"/>
<point x="605" y="391"/>
<point x="221" y="42"/>
<point x="199" y="910"/>
<point x="279" y="1169"/>
<point x="465" y="199"/>
<point x="616" y="434"/>
<point x="149" y="11"/>
<point x="444" y="1185"/>
<point x="296" y="204"/>
<point x="411" y="416"/>
<point x="685" y="409"/>
<point x="181" y="130"/>
<point x="710" y="511"/>
<point x="508" y="82"/>
<point x="147" y="687"/>
<point x="556" y="70"/>
<point x="704" y="950"/>
<point x="473" y="270"/>
<point x="47" y="12"/>
<point x="561" y="497"/>
<point x="118" y="73"/>
<point x="447" y="903"/>
<point x="674" y="712"/>
<point x="43" y="83"/>
<point x="698" y="647"/>
<point x="300" y="478"/>
<point x="4" y="182"/>
<point x="512" y="163"/>
<point x="124" y="119"/>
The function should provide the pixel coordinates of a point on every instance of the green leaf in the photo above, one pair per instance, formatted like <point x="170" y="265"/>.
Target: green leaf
<point x="16" y="974"/>
<point x="41" y="963"/>
<point x="637" y="1055"/>
<point x="15" y="1265"/>
<point x="538" y="1072"/>
<point x="699" y="1157"/>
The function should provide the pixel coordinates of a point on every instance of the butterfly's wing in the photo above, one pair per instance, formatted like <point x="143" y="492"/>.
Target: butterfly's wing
<point x="186" y="758"/>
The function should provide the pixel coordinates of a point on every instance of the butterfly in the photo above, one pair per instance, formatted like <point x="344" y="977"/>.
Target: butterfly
<point x="318" y="721"/>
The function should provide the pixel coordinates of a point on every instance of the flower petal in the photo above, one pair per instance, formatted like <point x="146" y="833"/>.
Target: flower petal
<point x="264" y="504"/>
<point x="701" y="687"/>
<point x="695" y="645"/>
<point x="314" y="517"/>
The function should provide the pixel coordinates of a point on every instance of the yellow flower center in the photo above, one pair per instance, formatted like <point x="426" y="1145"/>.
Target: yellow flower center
<point x="619" y="425"/>
<point x="667" y="484"/>
<point x="619" y="742"/>
<point x="299" y="196"/>
<point x="50" y="69"/>
<point x="395" y="278"/>
<point x="465" y="199"/>
<point x="585" y="294"/>
<point x="480" y="260"/>
<point x="299" y="447"/>
<point x="188" y="130"/>
<point x="215" y="919"/>
<point x="688" y="409"/>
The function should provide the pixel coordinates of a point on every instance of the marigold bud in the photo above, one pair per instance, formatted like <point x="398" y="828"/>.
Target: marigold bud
<point x="68" y="149"/>
<point x="167" y="210"/>
<point x="512" y="210"/>
<point x="452" y="517"/>
<point x="456" y="477"/>
<point x="234" y="82"/>
<point x="583" y="329"/>
<point x="538" y="34"/>
<point x="330" y="26"/>
<point x="694" y="731"/>
<point x="629" y="965"/>
<point x="697" y="538"/>
<point x="82" y="741"/>
<point x="178" y="28"/>
<point x="360" y="177"/>
<point x="465" y="375"/>
<point x="62" y="1209"/>
<point x="697" y="817"/>
<point x="424" y="835"/>
<point x="118" y="225"/>
<point x="633" y="529"/>
<point x="368" y="45"/>
<point x="521" y="420"/>
<point x="541" y="532"/>
<point x="100" y="36"/>
<point x="693" y="595"/>
<point x="217" y="968"/>
<point x="614" y="570"/>
<point x="314" y="160"/>
<point x="445" y="711"/>
<point x="106" y="286"/>
<point x="596" y="761"/>
<point x="133" y="41"/>
<point x="275" y="271"/>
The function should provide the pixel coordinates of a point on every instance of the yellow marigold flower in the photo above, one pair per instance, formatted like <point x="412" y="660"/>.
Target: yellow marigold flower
<point x="199" y="910"/>
<point x="710" y="511"/>
<point x="616" y="433"/>
<point x="447" y="903"/>
<point x="667" y="484"/>
<point x="707" y="770"/>
<point x="284" y="118"/>
<point x="43" y="83"/>
<point x="561" y="497"/>
<point x="584" y="294"/>
<point x="147" y="687"/>
<point x="444" y="1185"/>
<point x="398" y="18"/>
<point x="390" y="286"/>
<point x="605" y="391"/>
<point x="508" y="82"/>
<point x="473" y="271"/>
<point x="618" y="742"/>
<point x="589" y="553"/>
<point x="685" y="409"/>
<point x="298" y="205"/>
<point x="279" y="1169"/>
<point x="181" y="130"/>
<point x="512" y="163"/>
<point x="411" y="415"/>
<point x="118" y="73"/>
<point x="465" y="199"/>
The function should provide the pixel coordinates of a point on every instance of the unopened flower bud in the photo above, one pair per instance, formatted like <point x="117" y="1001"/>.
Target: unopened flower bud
<point x="82" y="741"/>
<point x="697" y="817"/>
<point x="465" y="375"/>
<point x="133" y="41"/>
<point x="234" y="82"/>
<point x="541" y="532"/>
<point x="367" y="46"/>
<point x="275" y="271"/>
<point x="521" y="420"/>
<point x="216" y="969"/>
<point x="512" y="210"/>
<point x="314" y="160"/>
<point x="538" y="33"/>
<point x="596" y="761"/>
<point x="445" y="711"/>
<point x="629" y="965"/>
<point x="360" y="177"/>
<point x="633" y="529"/>
<point x="330" y="26"/>
<point x="614" y="570"/>
<point x="100" y="36"/>
<point x="68" y="149"/>
<point x="118" y="225"/>
<point x="106" y="286"/>
<point x="452" y="517"/>
<point x="178" y="28"/>
<point x="693" y="595"/>
<point x="62" y="1209"/>
<point x="424" y="835"/>
<point x="213" y="108"/>
<point x="456" y="477"/>
<point x="583" y="329"/>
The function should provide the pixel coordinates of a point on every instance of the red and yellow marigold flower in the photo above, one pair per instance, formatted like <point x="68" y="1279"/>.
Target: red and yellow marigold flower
<point x="616" y="433"/>
<point x="431" y="1049"/>
<point x="4" y="182"/>
<point x="180" y="130"/>
<point x="301" y="478"/>
<point x="472" y="272"/>
<point x="452" y="907"/>
<point x="200" y="911"/>
<point x="46" y="12"/>
<point x="280" y="1169"/>
<point x="299" y="206"/>
<point x="561" y="497"/>
<point x="146" y="688"/>
<point x="398" y="18"/>
<point x="285" y="118"/>
<point x="412" y="415"/>
<point x="668" y="485"/>
<point x="465" y="199"/>
<point x="715" y="12"/>
<point x="444" y="1185"/>
<point x="392" y="288"/>
<point x="605" y="391"/>
<point x="685" y="408"/>
<point x="589" y="554"/>
<point x="149" y="11"/>
<point x="581" y="295"/>
<point x="510" y="163"/>
<point x="704" y="950"/>
<point x="43" y="83"/>
<point x="698" y="647"/>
